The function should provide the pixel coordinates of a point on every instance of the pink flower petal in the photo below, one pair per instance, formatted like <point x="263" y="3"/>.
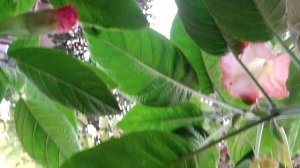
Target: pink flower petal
<point x="275" y="76"/>
<point x="256" y="50"/>
<point x="270" y="70"/>
<point x="230" y="67"/>
<point x="242" y="87"/>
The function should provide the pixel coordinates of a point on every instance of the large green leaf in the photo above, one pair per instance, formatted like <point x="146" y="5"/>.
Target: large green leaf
<point x="108" y="13"/>
<point x="240" y="19"/>
<point x="66" y="80"/>
<point x="10" y="8"/>
<point x="206" y="66"/>
<point x="144" y="149"/>
<point x="142" y="118"/>
<point x="201" y="26"/>
<point x="144" y="64"/>
<point x="45" y="133"/>
<point x="211" y="23"/>
<point x="193" y="54"/>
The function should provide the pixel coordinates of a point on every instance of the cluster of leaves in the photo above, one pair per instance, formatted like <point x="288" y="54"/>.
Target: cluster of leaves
<point x="168" y="126"/>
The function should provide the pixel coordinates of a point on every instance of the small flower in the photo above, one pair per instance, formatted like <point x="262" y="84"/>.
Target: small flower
<point x="270" y="70"/>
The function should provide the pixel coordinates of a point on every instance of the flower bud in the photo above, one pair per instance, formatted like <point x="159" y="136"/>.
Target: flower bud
<point x="40" y="22"/>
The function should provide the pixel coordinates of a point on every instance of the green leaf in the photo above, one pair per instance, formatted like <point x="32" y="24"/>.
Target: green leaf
<point x="240" y="19"/>
<point x="213" y="23"/>
<point x="144" y="64"/>
<point x="195" y="135"/>
<point x="294" y="138"/>
<point x="200" y="25"/>
<point x="123" y="14"/>
<point x="142" y="118"/>
<point x="193" y="54"/>
<point x="240" y="145"/>
<point x="11" y="8"/>
<point x="205" y="64"/>
<point x="66" y="80"/>
<point x="144" y="149"/>
<point x="292" y="127"/>
<point x="4" y="83"/>
<point x="45" y="133"/>
<point x="33" y="93"/>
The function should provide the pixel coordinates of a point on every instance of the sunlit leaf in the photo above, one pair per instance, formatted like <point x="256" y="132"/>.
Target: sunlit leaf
<point x="142" y="118"/>
<point x="144" y="65"/>
<point x="193" y="54"/>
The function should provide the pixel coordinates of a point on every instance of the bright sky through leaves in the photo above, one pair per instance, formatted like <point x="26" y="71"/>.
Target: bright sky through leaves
<point x="164" y="12"/>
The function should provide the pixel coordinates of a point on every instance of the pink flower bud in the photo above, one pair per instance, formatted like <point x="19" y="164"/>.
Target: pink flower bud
<point x="66" y="17"/>
<point x="269" y="69"/>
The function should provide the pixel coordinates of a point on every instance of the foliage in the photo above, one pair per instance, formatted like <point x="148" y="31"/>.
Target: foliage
<point x="175" y="84"/>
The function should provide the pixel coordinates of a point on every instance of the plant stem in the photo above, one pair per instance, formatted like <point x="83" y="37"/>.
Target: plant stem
<point x="269" y="100"/>
<point x="231" y="134"/>
<point x="258" y="139"/>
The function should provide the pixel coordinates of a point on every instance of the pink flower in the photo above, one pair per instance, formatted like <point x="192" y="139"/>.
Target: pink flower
<point x="270" y="70"/>
<point x="66" y="17"/>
